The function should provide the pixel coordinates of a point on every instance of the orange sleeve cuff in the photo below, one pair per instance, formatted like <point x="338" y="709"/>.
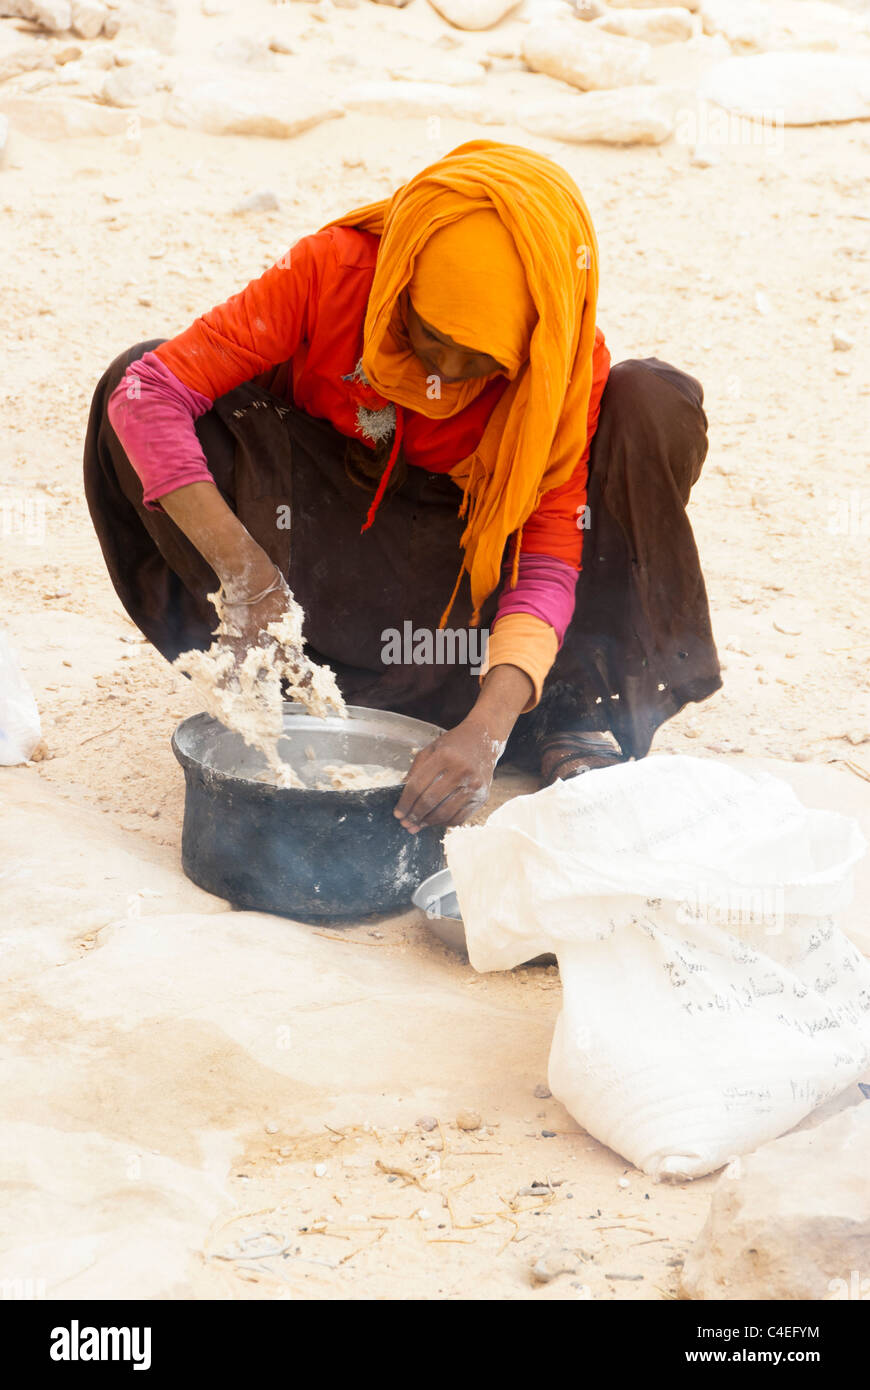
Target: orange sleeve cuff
<point x="520" y="639"/>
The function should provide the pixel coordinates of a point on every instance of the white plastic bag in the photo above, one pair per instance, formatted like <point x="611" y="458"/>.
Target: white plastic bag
<point x="20" y="731"/>
<point x="709" y="999"/>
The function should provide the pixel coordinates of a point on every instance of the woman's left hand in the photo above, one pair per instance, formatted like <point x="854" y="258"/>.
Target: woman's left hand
<point x="449" y="779"/>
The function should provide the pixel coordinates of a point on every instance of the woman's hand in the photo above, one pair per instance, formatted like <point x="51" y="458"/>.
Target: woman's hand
<point x="450" y="779"/>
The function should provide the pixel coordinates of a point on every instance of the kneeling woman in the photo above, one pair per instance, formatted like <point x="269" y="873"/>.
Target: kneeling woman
<point x="413" y="419"/>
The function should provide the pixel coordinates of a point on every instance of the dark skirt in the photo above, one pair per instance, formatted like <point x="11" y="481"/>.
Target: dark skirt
<point x="639" y="646"/>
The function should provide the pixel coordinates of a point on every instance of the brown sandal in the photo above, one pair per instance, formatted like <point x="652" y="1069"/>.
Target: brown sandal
<point x="587" y="751"/>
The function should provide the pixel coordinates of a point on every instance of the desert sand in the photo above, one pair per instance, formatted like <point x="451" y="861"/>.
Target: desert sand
<point x="191" y="1088"/>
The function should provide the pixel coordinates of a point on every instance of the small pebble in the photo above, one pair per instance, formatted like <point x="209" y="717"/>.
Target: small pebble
<point x="841" y="342"/>
<point x="548" y="1134"/>
<point x="264" y="201"/>
<point x="542" y="1092"/>
<point x="320" y="1170"/>
<point x="555" y="1262"/>
<point x="468" y="1119"/>
<point x="271" y="1127"/>
<point x="427" y="1122"/>
<point x="623" y="1182"/>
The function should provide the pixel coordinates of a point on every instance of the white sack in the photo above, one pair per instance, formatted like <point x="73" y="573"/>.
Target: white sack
<point x="710" y="999"/>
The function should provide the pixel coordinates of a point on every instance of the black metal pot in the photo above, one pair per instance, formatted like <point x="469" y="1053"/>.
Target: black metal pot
<point x="309" y="854"/>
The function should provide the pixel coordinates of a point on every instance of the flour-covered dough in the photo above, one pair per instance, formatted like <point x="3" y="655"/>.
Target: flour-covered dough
<point x="246" y="695"/>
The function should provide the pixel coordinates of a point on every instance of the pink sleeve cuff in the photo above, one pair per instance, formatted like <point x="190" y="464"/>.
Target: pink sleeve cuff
<point x="153" y="414"/>
<point x="545" y="589"/>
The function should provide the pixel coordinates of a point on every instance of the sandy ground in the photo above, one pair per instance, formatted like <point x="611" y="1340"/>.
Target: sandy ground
<point x="158" y="1115"/>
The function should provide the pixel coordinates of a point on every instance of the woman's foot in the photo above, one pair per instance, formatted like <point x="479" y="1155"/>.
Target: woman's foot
<point x="568" y="754"/>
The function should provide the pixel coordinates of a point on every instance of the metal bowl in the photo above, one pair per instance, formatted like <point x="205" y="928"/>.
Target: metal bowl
<point x="436" y="897"/>
<point x="308" y="854"/>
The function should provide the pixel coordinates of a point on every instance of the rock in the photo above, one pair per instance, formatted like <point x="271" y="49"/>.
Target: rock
<point x="742" y="23"/>
<point x="69" y="54"/>
<point x="652" y="4"/>
<point x="56" y="118"/>
<point x="653" y="26"/>
<point x="474" y="14"/>
<point x="542" y="1092"/>
<point x="468" y="1119"/>
<point x="587" y="9"/>
<point x="558" y="1261"/>
<point x="629" y="116"/>
<point x="129" y="86"/>
<point x="270" y="1127"/>
<point x="705" y="158"/>
<point x="841" y="343"/>
<point x="264" y="201"/>
<point x="320" y="1170"/>
<point x="792" y="88"/>
<point x="54" y="15"/>
<point x="426" y="99"/>
<point x="793" y="1222"/>
<point x="24" y="60"/>
<point x="447" y="68"/>
<point x="585" y="57"/>
<point x="153" y="21"/>
<point x="235" y="107"/>
<point x="427" y="1122"/>
<point x="243" y="51"/>
<point x="88" y="18"/>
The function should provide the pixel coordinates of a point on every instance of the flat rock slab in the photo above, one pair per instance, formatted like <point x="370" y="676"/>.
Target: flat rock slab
<point x="584" y="56"/>
<point x="474" y="14"/>
<point x="58" y="118"/>
<point x="249" y="106"/>
<point x="790" y="1221"/>
<point x="792" y="88"/>
<point x="639" y="115"/>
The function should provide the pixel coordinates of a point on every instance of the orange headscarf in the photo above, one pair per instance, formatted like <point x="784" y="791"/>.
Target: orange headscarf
<point x="526" y="298"/>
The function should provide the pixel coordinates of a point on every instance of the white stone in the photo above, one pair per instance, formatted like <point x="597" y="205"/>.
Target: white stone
<point x="425" y="100"/>
<point x="263" y="201"/>
<point x="630" y="116"/>
<point x="792" y="88"/>
<point x="842" y="343"/>
<point x="671" y="25"/>
<point x="587" y="9"/>
<point x="585" y="57"/>
<point x="129" y="86"/>
<point x="743" y="23"/>
<point x="652" y="4"/>
<point x="24" y="60"/>
<point x="816" y="24"/>
<point x="791" y="1220"/>
<point x="56" y="118"/>
<point x="88" y="18"/>
<point x="244" y="51"/>
<point x="474" y="14"/>
<point x="442" y="67"/>
<point x="235" y="107"/>
<point x="54" y="15"/>
<point x="153" y="21"/>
